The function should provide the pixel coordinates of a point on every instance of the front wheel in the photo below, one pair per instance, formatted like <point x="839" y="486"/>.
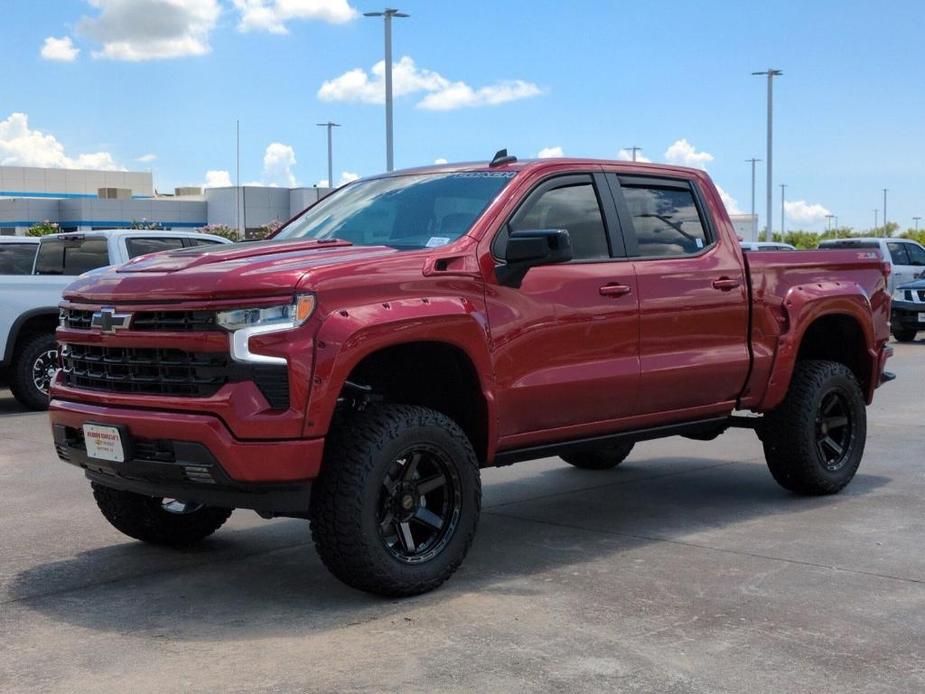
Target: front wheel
<point x="397" y="502"/>
<point x="158" y="521"/>
<point x="904" y="334"/>
<point x="814" y="440"/>
<point x="34" y="366"/>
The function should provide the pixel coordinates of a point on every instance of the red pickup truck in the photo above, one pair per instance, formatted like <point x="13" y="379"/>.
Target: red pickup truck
<point x="359" y="368"/>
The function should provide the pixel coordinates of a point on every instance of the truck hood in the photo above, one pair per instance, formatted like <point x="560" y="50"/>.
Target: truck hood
<point x="265" y="268"/>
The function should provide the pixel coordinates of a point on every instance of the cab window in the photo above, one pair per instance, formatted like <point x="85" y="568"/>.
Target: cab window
<point x="141" y="246"/>
<point x="666" y="220"/>
<point x="898" y="253"/>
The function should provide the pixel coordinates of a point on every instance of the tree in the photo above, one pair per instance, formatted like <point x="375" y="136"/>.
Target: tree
<point x="43" y="229"/>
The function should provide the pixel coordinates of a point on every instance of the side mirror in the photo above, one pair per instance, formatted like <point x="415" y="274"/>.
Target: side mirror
<point x="526" y="249"/>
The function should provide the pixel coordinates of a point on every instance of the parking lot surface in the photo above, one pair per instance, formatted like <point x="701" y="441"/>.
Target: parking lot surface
<point x="687" y="569"/>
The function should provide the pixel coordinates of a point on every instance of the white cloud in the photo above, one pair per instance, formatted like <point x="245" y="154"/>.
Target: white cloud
<point x="627" y="155"/>
<point x="461" y="95"/>
<point x="357" y="85"/>
<point x="137" y="30"/>
<point x="345" y="178"/>
<point x="147" y="158"/>
<point x="20" y="145"/>
<point x="272" y="15"/>
<point x="549" y="152"/>
<point x="683" y="153"/>
<point x="278" y="160"/>
<point x="440" y="160"/>
<point x="217" y="179"/>
<point x="61" y="50"/>
<point x="732" y="206"/>
<point x="803" y="212"/>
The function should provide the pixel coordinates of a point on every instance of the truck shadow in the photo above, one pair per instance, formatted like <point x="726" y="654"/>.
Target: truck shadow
<point x="266" y="580"/>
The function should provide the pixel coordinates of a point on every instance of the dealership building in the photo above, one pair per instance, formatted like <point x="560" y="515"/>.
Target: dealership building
<point x="84" y="200"/>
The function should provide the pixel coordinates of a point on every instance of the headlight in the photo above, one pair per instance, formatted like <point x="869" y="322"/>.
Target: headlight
<point x="899" y="295"/>
<point x="281" y="317"/>
<point x="245" y="323"/>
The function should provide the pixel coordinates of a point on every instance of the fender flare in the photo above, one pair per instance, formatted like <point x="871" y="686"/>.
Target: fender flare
<point x="803" y="306"/>
<point x="17" y="325"/>
<point x="348" y="336"/>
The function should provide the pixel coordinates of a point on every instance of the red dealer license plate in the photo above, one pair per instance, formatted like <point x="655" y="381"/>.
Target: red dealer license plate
<point x="103" y="443"/>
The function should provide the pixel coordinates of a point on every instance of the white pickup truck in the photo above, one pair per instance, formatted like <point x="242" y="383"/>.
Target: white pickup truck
<point x="29" y="303"/>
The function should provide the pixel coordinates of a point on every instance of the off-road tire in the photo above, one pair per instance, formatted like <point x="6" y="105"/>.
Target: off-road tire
<point x="144" y="518"/>
<point x="21" y="383"/>
<point x="346" y="504"/>
<point x="603" y="458"/>
<point x="905" y="334"/>
<point x="792" y="433"/>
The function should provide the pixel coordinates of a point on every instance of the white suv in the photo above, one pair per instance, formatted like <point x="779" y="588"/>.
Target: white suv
<point x="29" y="306"/>
<point x="906" y="257"/>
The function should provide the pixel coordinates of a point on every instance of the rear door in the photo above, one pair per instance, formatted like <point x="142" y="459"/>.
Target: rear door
<point x="566" y="342"/>
<point x="693" y="304"/>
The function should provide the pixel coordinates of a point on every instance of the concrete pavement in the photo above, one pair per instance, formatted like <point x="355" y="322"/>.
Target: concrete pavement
<point x="685" y="570"/>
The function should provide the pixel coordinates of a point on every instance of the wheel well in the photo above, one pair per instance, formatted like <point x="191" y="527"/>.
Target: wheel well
<point x="36" y="324"/>
<point x="430" y="374"/>
<point x="838" y="338"/>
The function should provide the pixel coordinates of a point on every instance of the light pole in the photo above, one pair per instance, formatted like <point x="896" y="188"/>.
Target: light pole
<point x="916" y="220"/>
<point x="753" y="160"/>
<point x="329" y="125"/>
<point x="387" y="15"/>
<point x="782" y="187"/>
<point x="828" y="221"/>
<point x="633" y="151"/>
<point x="771" y="73"/>
<point x="885" y="218"/>
<point x="876" y="220"/>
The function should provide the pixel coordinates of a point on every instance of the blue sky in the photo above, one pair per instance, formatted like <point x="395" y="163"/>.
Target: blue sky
<point x="121" y="79"/>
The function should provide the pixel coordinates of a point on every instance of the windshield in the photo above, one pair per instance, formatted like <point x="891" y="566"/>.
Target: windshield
<point x="405" y="212"/>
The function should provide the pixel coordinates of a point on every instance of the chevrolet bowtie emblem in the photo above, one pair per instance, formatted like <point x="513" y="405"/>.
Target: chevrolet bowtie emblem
<point x="108" y="321"/>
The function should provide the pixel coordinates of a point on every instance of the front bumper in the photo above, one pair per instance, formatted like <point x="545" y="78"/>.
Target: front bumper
<point x="906" y="314"/>
<point x="191" y="457"/>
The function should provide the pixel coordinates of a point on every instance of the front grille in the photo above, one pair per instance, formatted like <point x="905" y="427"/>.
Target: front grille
<point x="152" y="371"/>
<point x="144" y="370"/>
<point x="149" y="321"/>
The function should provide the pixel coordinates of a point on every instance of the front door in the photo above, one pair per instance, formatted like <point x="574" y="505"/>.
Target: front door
<point x="565" y="342"/>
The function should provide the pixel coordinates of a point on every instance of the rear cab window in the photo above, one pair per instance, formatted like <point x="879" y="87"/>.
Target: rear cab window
<point x="898" y="253"/>
<point x="17" y="258"/>
<point x="666" y="217"/>
<point x="140" y="246"/>
<point x="71" y="255"/>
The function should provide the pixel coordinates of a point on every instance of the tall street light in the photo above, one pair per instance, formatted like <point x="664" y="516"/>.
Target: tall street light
<point x="876" y="219"/>
<point x="753" y="160"/>
<point x="771" y="73"/>
<point x="885" y="218"/>
<point x="828" y="221"/>
<point x="329" y="125"/>
<point x="916" y="220"/>
<point x="633" y="151"/>
<point x="782" y="187"/>
<point x="387" y="15"/>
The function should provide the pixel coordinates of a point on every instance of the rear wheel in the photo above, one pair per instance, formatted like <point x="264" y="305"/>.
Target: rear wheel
<point x="397" y="502"/>
<point x="904" y="334"/>
<point x="813" y="441"/>
<point x="34" y="366"/>
<point x="156" y="520"/>
<point x="603" y="458"/>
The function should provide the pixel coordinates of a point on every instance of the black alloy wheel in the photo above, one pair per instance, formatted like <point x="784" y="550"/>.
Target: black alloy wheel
<point x="419" y="504"/>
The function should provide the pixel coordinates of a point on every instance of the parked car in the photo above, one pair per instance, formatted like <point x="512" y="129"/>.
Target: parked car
<point x="29" y="310"/>
<point x="908" y="314"/>
<point x="361" y="366"/>
<point x="17" y="254"/>
<point x="906" y="257"/>
<point x="766" y="246"/>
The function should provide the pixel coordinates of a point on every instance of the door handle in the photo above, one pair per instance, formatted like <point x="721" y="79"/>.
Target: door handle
<point x="725" y="284"/>
<point x="615" y="290"/>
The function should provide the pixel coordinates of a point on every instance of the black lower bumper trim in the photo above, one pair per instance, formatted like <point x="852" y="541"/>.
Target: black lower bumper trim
<point x="190" y="473"/>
